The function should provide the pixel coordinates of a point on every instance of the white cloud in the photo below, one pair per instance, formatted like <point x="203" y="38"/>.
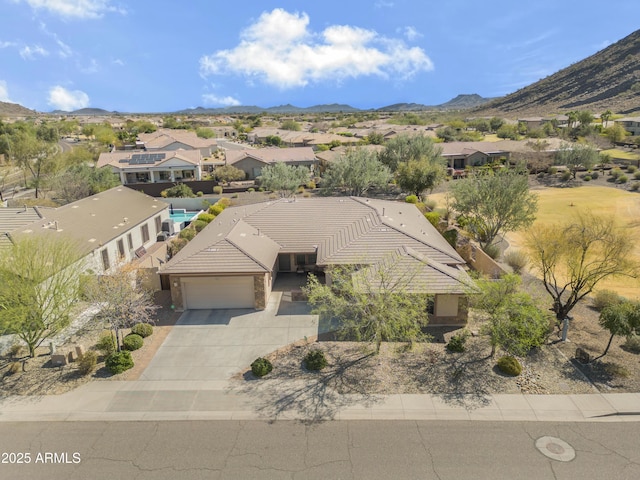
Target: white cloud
<point x="211" y="99"/>
<point x="280" y="50"/>
<point x="29" y="53"/>
<point x="410" y="32"/>
<point x="92" y="67"/>
<point x="67" y="100"/>
<point x="74" y="8"/>
<point x="118" y="62"/>
<point x="8" y="44"/>
<point x="4" y="92"/>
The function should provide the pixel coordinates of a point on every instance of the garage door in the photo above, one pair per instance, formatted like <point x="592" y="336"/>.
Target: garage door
<point x="218" y="292"/>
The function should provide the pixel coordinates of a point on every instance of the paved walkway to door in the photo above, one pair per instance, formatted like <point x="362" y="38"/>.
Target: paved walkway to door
<point x="213" y="345"/>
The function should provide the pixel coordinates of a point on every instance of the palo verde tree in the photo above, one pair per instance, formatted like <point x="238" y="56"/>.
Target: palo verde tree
<point x="405" y="148"/>
<point x="494" y="202"/>
<point x="575" y="156"/>
<point x="419" y="176"/>
<point x="620" y="318"/>
<point x="357" y="171"/>
<point x="122" y="299"/>
<point x="373" y="304"/>
<point x="38" y="287"/>
<point x="512" y="320"/>
<point x="575" y="256"/>
<point x="283" y="178"/>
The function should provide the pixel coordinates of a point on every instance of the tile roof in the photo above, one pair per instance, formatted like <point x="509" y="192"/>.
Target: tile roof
<point x="121" y="159"/>
<point x="163" y="137"/>
<point x="341" y="230"/>
<point x="272" y="155"/>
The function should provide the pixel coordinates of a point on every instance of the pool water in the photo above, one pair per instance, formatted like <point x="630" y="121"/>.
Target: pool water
<point x="180" y="215"/>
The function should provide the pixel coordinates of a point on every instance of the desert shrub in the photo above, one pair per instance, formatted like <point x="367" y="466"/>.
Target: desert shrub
<point x="261" y="366"/>
<point x="206" y="217"/>
<point x="251" y="190"/>
<point x="605" y="298"/>
<point x="306" y="195"/>
<point x="457" y="343"/>
<point x="119" y="362"/>
<point x="632" y="344"/>
<point x="187" y="234"/>
<point x="516" y="260"/>
<point x="509" y="366"/>
<point x="14" y="367"/>
<point x="132" y="342"/>
<point x="225" y="202"/>
<point x="594" y="175"/>
<point x="199" y="225"/>
<point x="311" y="185"/>
<point x="451" y="236"/>
<point x="15" y="350"/>
<point x="635" y="187"/>
<point x="87" y="363"/>
<point x="235" y="195"/>
<point x="616" y="370"/>
<point x="175" y="246"/>
<point x="622" y="179"/>
<point x="637" y="175"/>
<point x="433" y="217"/>
<point x="430" y="203"/>
<point x="615" y="172"/>
<point x="178" y="191"/>
<point x="553" y="170"/>
<point x="566" y="176"/>
<point x="541" y="175"/>
<point x="492" y="250"/>
<point x="215" y="209"/>
<point x="631" y="168"/>
<point x="143" y="329"/>
<point x="199" y="194"/>
<point x="300" y="190"/>
<point x="106" y="344"/>
<point x="587" y="178"/>
<point x="217" y="190"/>
<point x="315" y="360"/>
<point x="411" y="199"/>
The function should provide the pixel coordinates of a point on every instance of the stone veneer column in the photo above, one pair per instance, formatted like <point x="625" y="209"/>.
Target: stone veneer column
<point x="259" y="292"/>
<point x="176" y="293"/>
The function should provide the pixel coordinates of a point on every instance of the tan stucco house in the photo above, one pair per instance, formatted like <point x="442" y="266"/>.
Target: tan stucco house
<point x="234" y="261"/>
<point x="253" y="161"/>
<point x="153" y="167"/>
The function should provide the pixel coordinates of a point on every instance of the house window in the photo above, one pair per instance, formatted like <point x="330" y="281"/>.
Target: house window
<point x="105" y="259"/>
<point x="121" y="248"/>
<point x="144" y="231"/>
<point x="301" y="259"/>
<point x="158" y="221"/>
<point x="130" y="241"/>
<point x="164" y="175"/>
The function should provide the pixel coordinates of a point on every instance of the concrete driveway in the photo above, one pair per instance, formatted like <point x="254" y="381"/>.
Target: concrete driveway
<point x="213" y="345"/>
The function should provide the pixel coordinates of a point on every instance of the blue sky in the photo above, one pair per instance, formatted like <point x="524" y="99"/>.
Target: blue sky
<point x="161" y="56"/>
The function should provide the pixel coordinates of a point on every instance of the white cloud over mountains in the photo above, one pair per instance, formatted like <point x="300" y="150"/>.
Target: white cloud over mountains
<point x="212" y="99"/>
<point x="281" y="50"/>
<point x="73" y="8"/>
<point x="67" y="100"/>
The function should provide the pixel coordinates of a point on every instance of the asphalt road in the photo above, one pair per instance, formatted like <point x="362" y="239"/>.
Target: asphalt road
<point x="330" y="450"/>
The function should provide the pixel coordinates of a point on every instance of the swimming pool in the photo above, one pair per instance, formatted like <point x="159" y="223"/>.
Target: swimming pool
<point x="180" y="215"/>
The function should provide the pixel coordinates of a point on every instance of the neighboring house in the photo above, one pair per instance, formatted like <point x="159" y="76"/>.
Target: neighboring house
<point x="165" y="139"/>
<point x="253" y="161"/>
<point x="630" y="124"/>
<point x="110" y="228"/>
<point x="534" y="123"/>
<point x="234" y="261"/>
<point x="153" y="167"/>
<point x="335" y="154"/>
<point x="460" y="155"/>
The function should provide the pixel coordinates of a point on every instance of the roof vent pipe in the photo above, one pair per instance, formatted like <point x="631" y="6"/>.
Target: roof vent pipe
<point x="383" y="210"/>
<point x="56" y="224"/>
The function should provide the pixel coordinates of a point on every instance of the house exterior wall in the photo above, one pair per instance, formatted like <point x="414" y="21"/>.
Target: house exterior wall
<point x="633" y="127"/>
<point x="449" y="310"/>
<point x="247" y="165"/>
<point x="94" y="259"/>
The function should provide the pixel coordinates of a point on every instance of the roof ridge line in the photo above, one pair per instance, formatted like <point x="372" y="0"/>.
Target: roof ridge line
<point x="417" y="239"/>
<point x="242" y="249"/>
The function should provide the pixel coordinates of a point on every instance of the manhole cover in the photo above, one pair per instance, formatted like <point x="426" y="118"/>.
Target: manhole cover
<point x="555" y="449"/>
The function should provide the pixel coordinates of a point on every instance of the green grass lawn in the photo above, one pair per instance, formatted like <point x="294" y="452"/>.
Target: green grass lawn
<point x="615" y="153"/>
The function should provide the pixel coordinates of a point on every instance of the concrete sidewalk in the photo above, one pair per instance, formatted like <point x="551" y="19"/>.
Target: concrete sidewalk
<point x="264" y="400"/>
